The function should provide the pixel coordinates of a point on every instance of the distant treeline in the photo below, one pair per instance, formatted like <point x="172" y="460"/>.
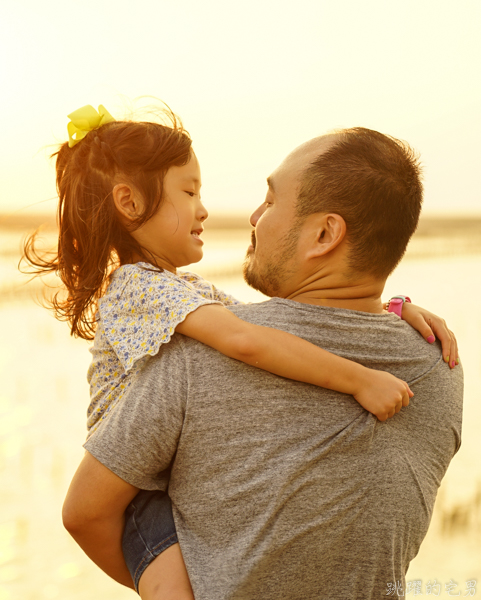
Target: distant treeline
<point x="449" y="225"/>
<point x="429" y="226"/>
<point x="17" y="222"/>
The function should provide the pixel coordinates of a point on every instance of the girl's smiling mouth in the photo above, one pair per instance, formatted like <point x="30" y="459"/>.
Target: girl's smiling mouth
<point x="195" y="233"/>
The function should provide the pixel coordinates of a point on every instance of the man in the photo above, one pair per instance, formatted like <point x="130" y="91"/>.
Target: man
<point x="281" y="489"/>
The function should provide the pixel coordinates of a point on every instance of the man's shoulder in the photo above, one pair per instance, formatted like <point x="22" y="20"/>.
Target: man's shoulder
<point x="378" y="341"/>
<point x="279" y="311"/>
<point x="253" y="308"/>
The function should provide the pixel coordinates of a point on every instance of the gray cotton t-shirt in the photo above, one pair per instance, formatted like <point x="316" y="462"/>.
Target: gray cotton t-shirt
<point x="281" y="489"/>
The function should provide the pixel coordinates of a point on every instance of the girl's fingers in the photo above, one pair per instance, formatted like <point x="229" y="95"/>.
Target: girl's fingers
<point x="447" y="339"/>
<point x="406" y="396"/>
<point x="425" y="330"/>
<point x="450" y="350"/>
<point x="453" y="357"/>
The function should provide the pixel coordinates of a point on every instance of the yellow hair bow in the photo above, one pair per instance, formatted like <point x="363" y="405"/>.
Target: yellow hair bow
<point x="86" y="119"/>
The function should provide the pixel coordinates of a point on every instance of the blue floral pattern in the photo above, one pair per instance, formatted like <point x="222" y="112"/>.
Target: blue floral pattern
<point x="138" y="313"/>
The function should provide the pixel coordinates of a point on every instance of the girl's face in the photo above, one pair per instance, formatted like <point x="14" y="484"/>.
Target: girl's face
<point x="172" y="235"/>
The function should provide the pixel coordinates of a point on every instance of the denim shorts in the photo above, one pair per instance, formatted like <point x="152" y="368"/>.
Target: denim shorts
<point x="149" y="530"/>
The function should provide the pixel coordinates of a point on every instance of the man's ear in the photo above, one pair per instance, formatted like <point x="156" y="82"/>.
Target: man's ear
<point x="328" y="231"/>
<point x="126" y="202"/>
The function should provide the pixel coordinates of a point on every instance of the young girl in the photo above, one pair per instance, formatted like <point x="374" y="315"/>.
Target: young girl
<point x="129" y="216"/>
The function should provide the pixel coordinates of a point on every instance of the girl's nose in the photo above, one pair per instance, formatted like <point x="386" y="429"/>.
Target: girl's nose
<point x="202" y="213"/>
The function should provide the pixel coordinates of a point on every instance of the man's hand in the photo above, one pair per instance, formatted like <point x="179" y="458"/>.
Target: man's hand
<point x="431" y="326"/>
<point x="93" y="514"/>
<point x="382" y="394"/>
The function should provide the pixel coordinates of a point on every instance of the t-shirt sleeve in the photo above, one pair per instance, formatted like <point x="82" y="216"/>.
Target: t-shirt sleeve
<point x="141" y="310"/>
<point x="138" y="441"/>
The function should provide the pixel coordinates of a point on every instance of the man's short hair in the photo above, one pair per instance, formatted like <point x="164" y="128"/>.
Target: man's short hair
<point x="373" y="181"/>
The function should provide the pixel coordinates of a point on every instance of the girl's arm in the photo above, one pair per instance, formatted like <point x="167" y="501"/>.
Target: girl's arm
<point x="287" y="355"/>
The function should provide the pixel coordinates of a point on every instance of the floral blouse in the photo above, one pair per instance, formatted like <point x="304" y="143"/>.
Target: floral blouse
<point x="138" y="313"/>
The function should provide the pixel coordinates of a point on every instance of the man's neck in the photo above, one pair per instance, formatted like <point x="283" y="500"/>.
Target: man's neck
<point x="363" y="295"/>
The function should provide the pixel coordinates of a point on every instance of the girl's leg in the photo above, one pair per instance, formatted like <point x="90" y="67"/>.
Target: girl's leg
<point x="152" y="551"/>
<point x="166" y="577"/>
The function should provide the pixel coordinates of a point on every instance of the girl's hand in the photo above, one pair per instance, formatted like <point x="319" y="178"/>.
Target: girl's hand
<point x="382" y="394"/>
<point x="429" y="326"/>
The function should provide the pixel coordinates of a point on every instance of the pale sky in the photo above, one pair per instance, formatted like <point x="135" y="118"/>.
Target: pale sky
<point x="251" y="80"/>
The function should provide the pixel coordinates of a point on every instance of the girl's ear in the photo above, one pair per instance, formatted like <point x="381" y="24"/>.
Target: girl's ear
<point x="126" y="202"/>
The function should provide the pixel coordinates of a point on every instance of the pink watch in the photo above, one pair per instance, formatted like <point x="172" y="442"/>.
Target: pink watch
<point x="396" y="305"/>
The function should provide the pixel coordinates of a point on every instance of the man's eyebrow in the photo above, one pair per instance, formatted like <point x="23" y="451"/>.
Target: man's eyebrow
<point x="271" y="184"/>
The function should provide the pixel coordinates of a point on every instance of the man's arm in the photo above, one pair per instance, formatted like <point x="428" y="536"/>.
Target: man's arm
<point x="130" y="450"/>
<point x="93" y="514"/>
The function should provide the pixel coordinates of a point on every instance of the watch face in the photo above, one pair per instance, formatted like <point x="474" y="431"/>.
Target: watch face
<point x="396" y="301"/>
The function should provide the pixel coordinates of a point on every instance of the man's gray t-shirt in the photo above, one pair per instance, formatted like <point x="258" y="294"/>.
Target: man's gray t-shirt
<point x="281" y="489"/>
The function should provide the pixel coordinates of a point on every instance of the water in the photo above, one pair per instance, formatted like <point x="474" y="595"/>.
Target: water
<point x="44" y="396"/>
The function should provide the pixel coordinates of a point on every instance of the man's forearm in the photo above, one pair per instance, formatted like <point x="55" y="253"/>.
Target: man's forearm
<point x="93" y="514"/>
<point x="101" y="540"/>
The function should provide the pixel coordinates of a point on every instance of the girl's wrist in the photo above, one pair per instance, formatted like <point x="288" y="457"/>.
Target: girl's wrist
<point x="357" y="380"/>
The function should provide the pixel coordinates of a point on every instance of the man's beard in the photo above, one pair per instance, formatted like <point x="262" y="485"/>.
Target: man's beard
<point x="269" y="277"/>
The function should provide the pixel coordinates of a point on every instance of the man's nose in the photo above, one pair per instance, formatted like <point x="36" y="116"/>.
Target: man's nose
<point x="255" y="216"/>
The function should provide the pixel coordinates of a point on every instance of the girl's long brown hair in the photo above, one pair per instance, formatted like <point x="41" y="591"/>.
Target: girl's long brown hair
<point x="92" y="241"/>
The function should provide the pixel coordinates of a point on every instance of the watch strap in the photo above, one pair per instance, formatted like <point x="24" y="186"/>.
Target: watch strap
<point x="396" y="304"/>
